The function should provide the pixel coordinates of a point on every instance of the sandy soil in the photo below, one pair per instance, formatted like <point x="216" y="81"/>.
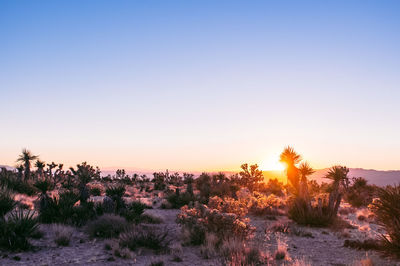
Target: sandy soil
<point x="320" y="246"/>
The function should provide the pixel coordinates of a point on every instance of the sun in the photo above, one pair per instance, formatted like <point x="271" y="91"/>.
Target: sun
<point x="272" y="164"/>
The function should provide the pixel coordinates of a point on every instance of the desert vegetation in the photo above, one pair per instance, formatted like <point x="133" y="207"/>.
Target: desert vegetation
<point x="212" y="219"/>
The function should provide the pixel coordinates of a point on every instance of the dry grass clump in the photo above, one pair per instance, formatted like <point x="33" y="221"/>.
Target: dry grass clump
<point x="367" y="244"/>
<point x="281" y="251"/>
<point x="236" y="252"/>
<point x="301" y="262"/>
<point x="387" y="211"/>
<point x="150" y="237"/>
<point x="118" y="251"/>
<point x="208" y="248"/>
<point x="63" y="234"/>
<point x="106" y="226"/>
<point x="148" y="218"/>
<point x="364" y="262"/>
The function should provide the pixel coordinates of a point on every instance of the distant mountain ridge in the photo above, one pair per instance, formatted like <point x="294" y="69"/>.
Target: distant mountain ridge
<point x="376" y="177"/>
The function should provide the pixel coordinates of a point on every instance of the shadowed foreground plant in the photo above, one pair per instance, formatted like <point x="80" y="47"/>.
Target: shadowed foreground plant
<point x="387" y="211"/>
<point x="16" y="230"/>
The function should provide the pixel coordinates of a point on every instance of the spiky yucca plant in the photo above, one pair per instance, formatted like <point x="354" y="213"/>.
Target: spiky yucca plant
<point x="17" y="229"/>
<point x="387" y="211"/>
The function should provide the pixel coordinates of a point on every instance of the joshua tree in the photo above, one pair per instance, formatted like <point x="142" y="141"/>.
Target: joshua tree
<point x="40" y="166"/>
<point x="26" y="157"/>
<point x="338" y="174"/>
<point x="291" y="159"/>
<point x="305" y="170"/>
<point x="51" y="166"/>
<point x="84" y="173"/>
<point x="20" y="169"/>
<point x="188" y="180"/>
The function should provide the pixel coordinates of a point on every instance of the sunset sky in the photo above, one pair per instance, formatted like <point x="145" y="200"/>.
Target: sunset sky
<point x="200" y="85"/>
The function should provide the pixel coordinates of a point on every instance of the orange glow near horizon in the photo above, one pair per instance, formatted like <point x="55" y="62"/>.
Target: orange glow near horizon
<point x="272" y="163"/>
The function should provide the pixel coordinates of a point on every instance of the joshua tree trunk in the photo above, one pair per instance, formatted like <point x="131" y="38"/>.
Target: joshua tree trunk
<point x="337" y="204"/>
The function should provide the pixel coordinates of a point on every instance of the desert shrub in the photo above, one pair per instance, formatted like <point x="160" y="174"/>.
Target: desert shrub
<point x="303" y="213"/>
<point x="236" y="252"/>
<point x="273" y="186"/>
<point x="16" y="230"/>
<point x="64" y="210"/>
<point x="360" y="194"/>
<point x="177" y="200"/>
<point x="201" y="219"/>
<point x="106" y="226"/>
<point x="7" y="202"/>
<point x="228" y="205"/>
<point x="150" y="237"/>
<point x="95" y="191"/>
<point x="387" y="211"/>
<point x="159" y="180"/>
<point x="116" y="192"/>
<point x="9" y="180"/>
<point x="260" y="204"/>
<point x="216" y="185"/>
<point x="133" y="211"/>
<point x="43" y="185"/>
<point x="62" y="234"/>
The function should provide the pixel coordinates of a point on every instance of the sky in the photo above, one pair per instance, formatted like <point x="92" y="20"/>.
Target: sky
<point x="200" y="85"/>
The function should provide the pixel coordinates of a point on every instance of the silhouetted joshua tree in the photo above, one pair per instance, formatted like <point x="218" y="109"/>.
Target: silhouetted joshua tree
<point x="84" y="173"/>
<point x="340" y="182"/>
<point x="40" y="166"/>
<point x="26" y="157"/>
<point x="291" y="159"/>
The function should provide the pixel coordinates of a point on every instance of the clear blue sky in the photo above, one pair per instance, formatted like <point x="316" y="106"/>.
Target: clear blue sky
<point x="198" y="85"/>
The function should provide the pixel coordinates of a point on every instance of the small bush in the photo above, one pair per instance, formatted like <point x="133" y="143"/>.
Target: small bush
<point x="133" y="211"/>
<point x="106" y="226"/>
<point x="178" y="200"/>
<point x="145" y="236"/>
<point x="228" y="205"/>
<point x="317" y="216"/>
<point x="62" y="234"/>
<point x="43" y="185"/>
<point x="9" y="180"/>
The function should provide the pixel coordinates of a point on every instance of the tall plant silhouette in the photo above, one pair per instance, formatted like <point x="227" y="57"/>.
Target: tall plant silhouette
<point x="40" y="167"/>
<point x="291" y="158"/>
<point x="340" y="182"/>
<point x="305" y="170"/>
<point x="26" y="157"/>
